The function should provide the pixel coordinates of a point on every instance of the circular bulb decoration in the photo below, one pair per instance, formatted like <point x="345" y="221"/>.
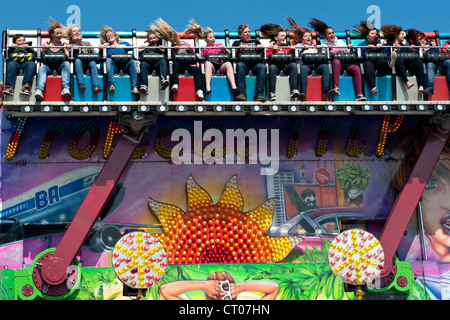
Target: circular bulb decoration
<point x="139" y="260"/>
<point x="356" y="257"/>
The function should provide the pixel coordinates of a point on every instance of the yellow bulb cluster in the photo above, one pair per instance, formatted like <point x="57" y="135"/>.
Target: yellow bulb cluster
<point x="139" y="260"/>
<point x="53" y="130"/>
<point x="92" y="128"/>
<point x="356" y="257"/>
<point x="292" y="145"/>
<point x="11" y="150"/>
<point x="219" y="233"/>
<point x="352" y="148"/>
<point x="113" y="129"/>
<point x="160" y="148"/>
<point x="386" y="128"/>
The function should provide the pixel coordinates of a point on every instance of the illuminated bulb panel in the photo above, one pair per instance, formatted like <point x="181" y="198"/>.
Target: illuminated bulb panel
<point x="15" y="138"/>
<point x="356" y="257"/>
<point x="221" y="232"/>
<point x="54" y="129"/>
<point x="139" y="260"/>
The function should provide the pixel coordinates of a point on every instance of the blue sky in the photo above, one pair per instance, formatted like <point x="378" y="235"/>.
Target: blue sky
<point x="225" y="14"/>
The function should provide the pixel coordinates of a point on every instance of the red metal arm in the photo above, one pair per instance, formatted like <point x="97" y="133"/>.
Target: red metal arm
<point x="54" y="271"/>
<point x="409" y="196"/>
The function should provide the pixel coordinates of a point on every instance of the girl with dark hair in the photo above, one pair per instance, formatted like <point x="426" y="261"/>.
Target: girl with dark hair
<point x="166" y="32"/>
<point x="278" y="37"/>
<point x="395" y="36"/>
<point x="367" y="30"/>
<point x="160" y="66"/>
<point x="337" y="45"/>
<point x="304" y="42"/>
<point x="419" y="38"/>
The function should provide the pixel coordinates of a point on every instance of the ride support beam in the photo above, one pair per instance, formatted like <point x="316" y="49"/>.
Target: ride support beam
<point x="411" y="193"/>
<point x="54" y="271"/>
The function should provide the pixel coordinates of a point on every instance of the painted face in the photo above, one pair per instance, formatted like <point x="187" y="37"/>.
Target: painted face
<point x="280" y="38"/>
<point x="329" y="35"/>
<point x="57" y="34"/>
<point x="372" y="36"/>
<point x="310" y="201"/>
<point x="436" y="211"/>
<point x="20" y="41"/>
<point x="245" y="35"/>
<point x="110" y="37"/>
<point x="75" y="33"/>
<point x="210" y="39"/>
<point x="307" y="38"/>
<point x="152" y="39"/>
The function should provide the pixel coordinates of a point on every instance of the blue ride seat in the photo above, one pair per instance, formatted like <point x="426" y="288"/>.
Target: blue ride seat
<point x="346" y="89"/>
<point x="123" y="90"/>
<point x="88" y="95"/>
<point x="220" y="90"/>
<point x="384" y="87"/>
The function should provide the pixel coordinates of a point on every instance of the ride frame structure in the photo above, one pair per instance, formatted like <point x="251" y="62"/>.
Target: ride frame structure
<point x="56" y="272"/>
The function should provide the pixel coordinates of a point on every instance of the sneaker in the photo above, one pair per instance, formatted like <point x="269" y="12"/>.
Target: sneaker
<point x="374" y="91"/>
<point x="143" y="89"/>
<point x="135" y="91"/>
<point x="428" y="91"/>
<point x="302" y="96"/>
<point x="272" y="96"/>
<point x="174" y="88"/>
<point x="26" y="90"/>
<point x="260" y="98"/>
<point x="65" y="92"/>
<point x="199" y="94"/>
<point x="295" y="93"/>
<point x="38" y="94"/>
<point x="112" y="88"/>
<point x="8" y="90"/>
<point x="82" y="88"/>
<point x="97" y="90"/>
<point x="241" y="97"/>
<point x="360" y="97"/>
<point x="164" y="84"/>
<point x="393" y="59"/>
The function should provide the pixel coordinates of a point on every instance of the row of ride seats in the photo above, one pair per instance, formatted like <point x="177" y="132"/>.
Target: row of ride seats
<point x="390" y="88"/>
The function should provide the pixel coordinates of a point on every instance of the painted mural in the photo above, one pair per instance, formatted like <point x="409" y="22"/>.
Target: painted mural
<point x="258" y="220"/>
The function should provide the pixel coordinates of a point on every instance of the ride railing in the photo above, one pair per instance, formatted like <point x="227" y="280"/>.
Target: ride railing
<point x="106" y="106"/>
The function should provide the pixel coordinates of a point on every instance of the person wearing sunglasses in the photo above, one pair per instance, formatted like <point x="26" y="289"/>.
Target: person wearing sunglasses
<point x="219" y="285"/>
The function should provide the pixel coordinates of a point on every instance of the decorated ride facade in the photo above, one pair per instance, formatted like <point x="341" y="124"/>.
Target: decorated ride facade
<point x="164" y="194"/>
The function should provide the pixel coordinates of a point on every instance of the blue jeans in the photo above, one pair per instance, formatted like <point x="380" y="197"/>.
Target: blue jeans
<point x="322" y="70"/>
<point x="160" y="67"/>
<point x="130" y="68"/>
<point x="259" y="70"/>
<point x="289" y="70"/>
<point x="13" y="68"/>
<point x="80" y="70"/>
<point x="44" y="71"/>
<point x="443" y="67"/>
